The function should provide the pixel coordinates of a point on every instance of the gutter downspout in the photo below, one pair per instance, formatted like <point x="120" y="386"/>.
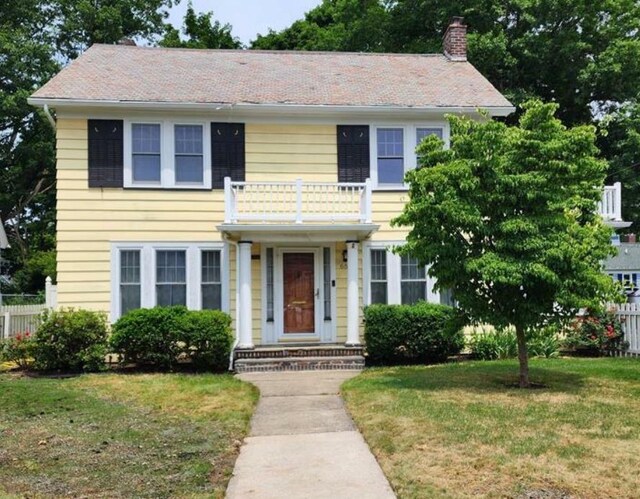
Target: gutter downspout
<point x="47" y="113"/>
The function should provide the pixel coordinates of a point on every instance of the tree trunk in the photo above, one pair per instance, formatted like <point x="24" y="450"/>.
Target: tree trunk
<point x="523" y="357"/>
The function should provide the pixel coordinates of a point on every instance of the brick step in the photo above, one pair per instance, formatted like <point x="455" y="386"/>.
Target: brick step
<point x="297" y="352"/>
<point x="299" y="364"/>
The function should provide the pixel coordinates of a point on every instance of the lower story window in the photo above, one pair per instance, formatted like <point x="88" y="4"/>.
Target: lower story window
<point x="129" y="280"/>
<point x="211" y="280"/>
<point x="171" y="278"/>
<point x="378" y="276"/>
<point x="413" y="281"/>
<point x="145" y="275"/>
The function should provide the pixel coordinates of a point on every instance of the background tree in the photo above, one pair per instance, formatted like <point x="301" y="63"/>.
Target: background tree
<point x="81" y="23"/>
<point x="202" y="32"/>
<point x="575" y="53"/>
<point x="620" y="142"/>
<point x="507" y="219"/>
<point x="36" y="37"/>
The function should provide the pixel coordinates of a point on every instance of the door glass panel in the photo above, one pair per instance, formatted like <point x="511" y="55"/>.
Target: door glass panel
<point x="298" y="292"/>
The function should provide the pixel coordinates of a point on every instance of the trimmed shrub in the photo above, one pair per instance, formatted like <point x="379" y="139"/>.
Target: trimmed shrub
<point x="208" y="338"/>
<point x="71" y="340"/>
<point x="149" y="336"/>
<point x="411" y="334"/>
<point x="597" y="333"/>
<point x="488" y="343"/>
<point x="162" y="336"/>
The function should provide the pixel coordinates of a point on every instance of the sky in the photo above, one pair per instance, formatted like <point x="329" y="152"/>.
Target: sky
<point x="248" y="17"/>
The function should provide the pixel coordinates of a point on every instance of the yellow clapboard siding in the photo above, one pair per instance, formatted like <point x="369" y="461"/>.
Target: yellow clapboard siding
<point x="294" y="148"/>
<point x="90" y="220"/>
<point x="80" y="238"/>
<point x="72" y="164"/>
<point x="71" y="144"/>
<point x="74" y="275"/>
<point x="72" y="154"/>
<point x="67" y="215"/>
<point x="294" y="129"/>
<point x="71" y="124"/>
<point x="65" y="266"/>
<point x="255" y="138"/>
<point x="70" y="133"/>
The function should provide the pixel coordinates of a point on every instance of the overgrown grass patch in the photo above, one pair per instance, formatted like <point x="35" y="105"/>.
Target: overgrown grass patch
<point x="110" y="435"/>
<point x="457" y="430"/>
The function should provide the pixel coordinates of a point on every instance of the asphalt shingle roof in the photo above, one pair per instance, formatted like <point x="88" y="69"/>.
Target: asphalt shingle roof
<point x="145" y="74"/>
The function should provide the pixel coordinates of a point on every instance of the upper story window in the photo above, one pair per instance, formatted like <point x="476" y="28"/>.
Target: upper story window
<point x="390" y="156"/>
<point x="394" y="152"/>
<point x="188" y="154"/>
<point x="167" y="154"/>
<point x="146" y="152"/>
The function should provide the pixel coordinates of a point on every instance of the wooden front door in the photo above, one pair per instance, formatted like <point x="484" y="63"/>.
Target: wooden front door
<point x="299" y="293"/>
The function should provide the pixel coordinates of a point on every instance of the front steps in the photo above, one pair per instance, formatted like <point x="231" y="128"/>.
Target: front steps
<point x="298" y="358"/>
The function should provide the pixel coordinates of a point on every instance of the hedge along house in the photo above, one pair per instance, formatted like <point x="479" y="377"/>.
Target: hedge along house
<point x="261" y="183"/>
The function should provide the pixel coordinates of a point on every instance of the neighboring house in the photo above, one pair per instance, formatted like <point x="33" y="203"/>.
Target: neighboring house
<point x="260" y="183"/>
<point x="625" y="267"/>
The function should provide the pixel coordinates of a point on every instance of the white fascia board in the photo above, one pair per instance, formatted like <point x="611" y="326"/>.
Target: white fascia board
<point x="268" y="109"/>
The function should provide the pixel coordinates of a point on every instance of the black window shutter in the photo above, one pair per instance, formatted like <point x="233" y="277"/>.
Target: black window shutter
<point x="353" y="153"/>
<point x="227" y="153"/>
<point x="105" y="153"/>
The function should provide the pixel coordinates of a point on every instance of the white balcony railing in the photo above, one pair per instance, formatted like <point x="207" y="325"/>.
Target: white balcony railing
<point x="297" y="202"/>
<point x="611" y="205"/>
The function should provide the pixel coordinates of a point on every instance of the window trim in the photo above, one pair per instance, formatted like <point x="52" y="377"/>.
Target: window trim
<point x="394" y="274"/>
<point x="410" y="156"/>
<point x="167" y="155"/>
<point x="148" y="272"/>
<point x="425" y="281"/>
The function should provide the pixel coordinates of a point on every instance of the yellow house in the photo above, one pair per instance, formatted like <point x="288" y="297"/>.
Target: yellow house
<point x="260" y="183"/>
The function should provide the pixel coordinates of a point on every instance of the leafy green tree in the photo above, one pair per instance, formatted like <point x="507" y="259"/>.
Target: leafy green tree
<point x="202" y="33"/>
<point x="575" y="53"/>
<point x="620" y="142"/>
<point x="507" y="219"/>
<point x="27" y="156"/>
<point x="334" y="25"/>
<point x="36" y="37"/>
<point x="81" y="23"/>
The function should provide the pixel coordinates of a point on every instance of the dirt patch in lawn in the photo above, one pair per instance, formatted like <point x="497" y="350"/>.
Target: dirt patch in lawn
<point x="152" y="435"/>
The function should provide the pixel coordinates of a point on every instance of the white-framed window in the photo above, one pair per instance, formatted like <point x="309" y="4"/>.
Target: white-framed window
<point x="211" y="269"/>
<point x="413" y="281"/>
<point x="145" y="275"/>
<point x="393" y="279"/>
<point x="379" y="286"/>
<point x="130" y="283"/>
<point x="171" y="277"/>
<point x="393" y="151"/>
<point x="167" y="154"/>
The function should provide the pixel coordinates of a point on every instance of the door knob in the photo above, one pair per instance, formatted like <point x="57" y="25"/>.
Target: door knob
<point x="318" y="293"/>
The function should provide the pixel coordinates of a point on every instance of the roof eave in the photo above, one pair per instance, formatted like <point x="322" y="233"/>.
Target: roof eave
<point x="274" y="108"/>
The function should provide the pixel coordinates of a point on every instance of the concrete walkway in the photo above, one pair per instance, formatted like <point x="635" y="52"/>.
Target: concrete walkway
<point x="303" y="443"/>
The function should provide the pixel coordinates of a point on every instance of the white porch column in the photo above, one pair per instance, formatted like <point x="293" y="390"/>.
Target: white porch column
<point x="353" y="298"/>
<point x="245" y="321"/>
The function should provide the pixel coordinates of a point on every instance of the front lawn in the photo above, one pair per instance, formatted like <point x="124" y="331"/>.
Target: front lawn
<point x="115" y="435"/>
<point x="459" y="430"/>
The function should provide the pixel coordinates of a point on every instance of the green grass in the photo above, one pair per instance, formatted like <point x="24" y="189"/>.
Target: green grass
<point x="459" y="430"/>
<point x="115" y="435"/>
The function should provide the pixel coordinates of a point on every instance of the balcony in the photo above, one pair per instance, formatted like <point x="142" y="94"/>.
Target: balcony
<point x="297" y="202"/>
<point x="611" y="206"/>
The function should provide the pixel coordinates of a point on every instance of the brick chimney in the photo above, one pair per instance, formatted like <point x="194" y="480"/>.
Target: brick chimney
<point x="127" y="41"/>
<point x="455" y="40"/>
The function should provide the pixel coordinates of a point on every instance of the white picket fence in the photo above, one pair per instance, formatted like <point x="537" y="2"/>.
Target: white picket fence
<point x="629" y="314"/>
<point x="20" y="319"/>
